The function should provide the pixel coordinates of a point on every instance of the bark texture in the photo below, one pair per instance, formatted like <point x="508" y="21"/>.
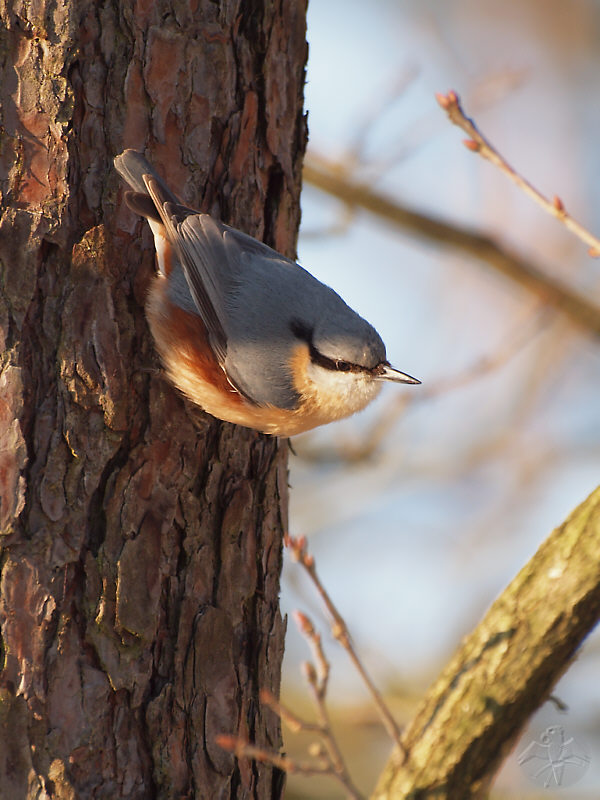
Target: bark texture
<point x="503" y="671"/>
<point x="141" y="539"/>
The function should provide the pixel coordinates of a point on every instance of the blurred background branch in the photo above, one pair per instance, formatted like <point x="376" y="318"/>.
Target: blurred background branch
<point x="331" y="177"/>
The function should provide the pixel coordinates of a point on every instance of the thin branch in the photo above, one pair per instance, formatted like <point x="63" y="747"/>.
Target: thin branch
<point x="340" y="632"/>
<point x="317" y="680"/>
<point x="243" y="749"/>
<point x="479" y="144"/>
<point x="321" y="678"/>
<point x="327" y="758"/>
<point x="291" y="719"/>
<point x="320" y="763"/>
<point x="330" y="177"/>
<point x="294" y="722"/>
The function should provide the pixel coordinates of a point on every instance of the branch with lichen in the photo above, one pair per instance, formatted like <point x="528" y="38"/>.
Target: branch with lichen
<point x="504" y="670"/>
<point x="478" y="143"/>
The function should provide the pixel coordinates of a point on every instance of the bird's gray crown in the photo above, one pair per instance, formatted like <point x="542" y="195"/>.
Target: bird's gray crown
<point x="341" y="339"/>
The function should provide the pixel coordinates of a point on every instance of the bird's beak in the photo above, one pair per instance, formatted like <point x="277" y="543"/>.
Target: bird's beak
<point x="385" y="372"/>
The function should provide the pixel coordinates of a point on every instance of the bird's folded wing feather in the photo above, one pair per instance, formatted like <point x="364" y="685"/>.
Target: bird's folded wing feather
<point x="207" y="301"/>
<point x="238" y="278"/>
<point x="217" y="259"/>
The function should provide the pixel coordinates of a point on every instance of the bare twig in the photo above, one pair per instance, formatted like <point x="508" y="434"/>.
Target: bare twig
<point x="243" y="749"/>
<point x="325" y="753"/>
<point x="291" y="719"/>
<point x="479" y="144"/>
<point x="330" y="177"/>
<point x="319" y="764"/>
<point x="317" y="680"/>
<point x="341" y="633"/>
<point x="321" y="676"/>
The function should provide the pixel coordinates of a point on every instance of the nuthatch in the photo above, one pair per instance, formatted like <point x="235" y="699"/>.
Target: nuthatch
<point x="244" y="332"/>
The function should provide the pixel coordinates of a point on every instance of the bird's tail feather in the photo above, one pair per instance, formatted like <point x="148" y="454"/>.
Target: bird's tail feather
<point x="132" y="166"/>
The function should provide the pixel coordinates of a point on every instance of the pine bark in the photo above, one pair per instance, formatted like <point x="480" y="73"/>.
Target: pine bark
<point x="141" y="539"/>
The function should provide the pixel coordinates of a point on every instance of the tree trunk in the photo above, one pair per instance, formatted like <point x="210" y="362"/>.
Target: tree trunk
<point x="141" y="538"/>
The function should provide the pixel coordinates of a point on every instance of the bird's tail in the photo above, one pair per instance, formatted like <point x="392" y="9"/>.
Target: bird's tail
<point x="132" y="166"/>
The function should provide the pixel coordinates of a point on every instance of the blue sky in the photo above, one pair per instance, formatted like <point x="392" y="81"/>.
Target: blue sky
<point x="416" y="543"/>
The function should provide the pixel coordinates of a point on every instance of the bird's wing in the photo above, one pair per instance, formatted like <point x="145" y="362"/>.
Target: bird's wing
<point x="199" y="265"/>
<point x="250" y="288"/>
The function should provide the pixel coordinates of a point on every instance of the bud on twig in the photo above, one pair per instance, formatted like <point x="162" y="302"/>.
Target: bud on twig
<point x="338" y="631"/>
<point x="309" y="672"/>
<point x="304" y="624"/>
<point x="227" y="742"/>
<point x="477" y="143"/>
<point x="316" y="750"/>
<point x="442" y="100"/>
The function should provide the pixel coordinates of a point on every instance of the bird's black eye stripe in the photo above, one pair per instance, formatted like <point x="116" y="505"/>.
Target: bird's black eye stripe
<point x="334" y="364"/>
<point x="323" y="361"/>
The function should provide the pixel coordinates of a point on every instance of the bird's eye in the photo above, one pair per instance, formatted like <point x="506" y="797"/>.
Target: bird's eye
<point x="343" y="366"/>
